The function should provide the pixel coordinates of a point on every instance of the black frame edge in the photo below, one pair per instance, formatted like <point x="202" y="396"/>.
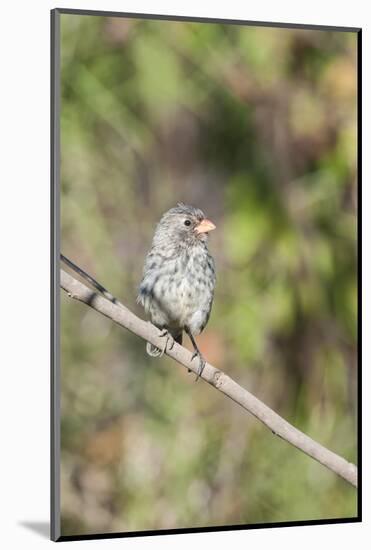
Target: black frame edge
<point x="197" y="19"/>
<point x="162" y="532"/>
<point x="55" y="529"/>
<point x="359" y="270"/>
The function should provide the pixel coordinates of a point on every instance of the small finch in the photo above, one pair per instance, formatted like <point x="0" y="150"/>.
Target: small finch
<point x="177" y="286"/>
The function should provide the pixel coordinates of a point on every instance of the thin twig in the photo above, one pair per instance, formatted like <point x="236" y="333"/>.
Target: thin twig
<point x="92" y="281"/>
<point x="222" y="382"/>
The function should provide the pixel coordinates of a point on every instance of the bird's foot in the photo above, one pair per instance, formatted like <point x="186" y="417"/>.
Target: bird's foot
<point x="201" y="365"/>
<point x="169" y="342"/>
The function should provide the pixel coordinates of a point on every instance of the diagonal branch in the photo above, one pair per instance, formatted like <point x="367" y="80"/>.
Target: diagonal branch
<point x="222" y="382"/>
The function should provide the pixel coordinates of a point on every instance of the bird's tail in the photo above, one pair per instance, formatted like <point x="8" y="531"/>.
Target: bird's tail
<point x="154" y="351"/>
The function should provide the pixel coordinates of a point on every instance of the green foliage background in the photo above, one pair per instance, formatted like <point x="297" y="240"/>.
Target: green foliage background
<point x="256" y="126"/>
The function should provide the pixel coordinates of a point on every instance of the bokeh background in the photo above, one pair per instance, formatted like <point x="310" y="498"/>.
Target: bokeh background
<point x="256" y="126"/>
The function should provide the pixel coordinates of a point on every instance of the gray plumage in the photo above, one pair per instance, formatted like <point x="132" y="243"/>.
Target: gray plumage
<point x="177" y="286"/>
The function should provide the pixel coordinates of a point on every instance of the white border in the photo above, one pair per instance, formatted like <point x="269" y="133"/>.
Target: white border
<point x="24" y="282"/>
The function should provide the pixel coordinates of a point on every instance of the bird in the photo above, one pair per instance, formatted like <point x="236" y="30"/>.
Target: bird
<point x="178" y="281"/>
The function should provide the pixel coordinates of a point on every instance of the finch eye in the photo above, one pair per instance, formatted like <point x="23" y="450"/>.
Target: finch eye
<point x="187" y="222"/>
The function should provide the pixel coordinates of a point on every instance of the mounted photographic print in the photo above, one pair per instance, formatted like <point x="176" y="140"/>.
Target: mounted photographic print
<point x="205" y="186"/>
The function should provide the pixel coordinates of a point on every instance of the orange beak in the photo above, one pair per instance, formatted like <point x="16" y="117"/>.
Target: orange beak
<point x="204" y="227"/>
